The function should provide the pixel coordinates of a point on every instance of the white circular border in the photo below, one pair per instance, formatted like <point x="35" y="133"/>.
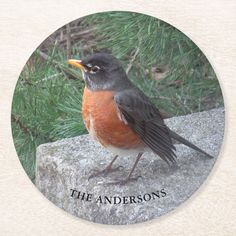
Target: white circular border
<point x="25" y="24"/>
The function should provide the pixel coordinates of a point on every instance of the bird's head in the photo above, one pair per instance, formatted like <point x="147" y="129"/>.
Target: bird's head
<point x="101" y="71"/>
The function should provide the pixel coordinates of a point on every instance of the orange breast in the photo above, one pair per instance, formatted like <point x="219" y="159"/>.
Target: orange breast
<point x="100" y="115"/>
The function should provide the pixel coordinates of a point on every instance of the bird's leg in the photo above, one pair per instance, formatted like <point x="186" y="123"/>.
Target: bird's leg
<point x="107" y="170"/>
<point x="129" y="178"/>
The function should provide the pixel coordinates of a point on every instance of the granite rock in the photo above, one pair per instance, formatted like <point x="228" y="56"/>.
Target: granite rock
<point x="65" y="165"/>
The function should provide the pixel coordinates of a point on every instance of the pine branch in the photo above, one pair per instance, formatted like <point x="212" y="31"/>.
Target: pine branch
<point x="49" y="77"/>
<point x="16" y="119"/>
<point x="77" y="35"/>
<point x="132" y="61"/>
<point x="68" y="41"/>
<point x="69" y="73"/>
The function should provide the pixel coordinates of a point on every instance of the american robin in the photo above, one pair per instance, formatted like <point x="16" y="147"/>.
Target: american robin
<point x="120" y="116"/>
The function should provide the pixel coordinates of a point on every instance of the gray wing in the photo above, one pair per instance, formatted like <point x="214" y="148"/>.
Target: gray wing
<point x="145" y="120"/>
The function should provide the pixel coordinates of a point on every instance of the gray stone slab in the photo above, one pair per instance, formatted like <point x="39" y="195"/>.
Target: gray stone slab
<point x="66" y="164"/>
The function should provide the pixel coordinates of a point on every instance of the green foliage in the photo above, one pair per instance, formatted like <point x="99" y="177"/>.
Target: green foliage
<point x="44" y="110"/>
<point x="191" y="84"/>
<point x="47" y="105"/>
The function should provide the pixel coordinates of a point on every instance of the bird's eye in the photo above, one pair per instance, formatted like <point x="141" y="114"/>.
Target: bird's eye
<point x="94" y="69"/>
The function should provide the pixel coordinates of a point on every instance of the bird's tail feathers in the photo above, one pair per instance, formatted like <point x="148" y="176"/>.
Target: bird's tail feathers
<point x="187" y="143"/>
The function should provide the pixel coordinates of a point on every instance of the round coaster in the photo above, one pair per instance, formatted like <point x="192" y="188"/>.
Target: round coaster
<point x="117" y="117"/>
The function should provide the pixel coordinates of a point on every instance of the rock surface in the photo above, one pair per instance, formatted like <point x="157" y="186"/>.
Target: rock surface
<point x="66" y="164"/>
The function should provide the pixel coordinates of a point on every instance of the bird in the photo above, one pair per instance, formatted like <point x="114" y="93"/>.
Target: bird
<point x="121" y="117"/>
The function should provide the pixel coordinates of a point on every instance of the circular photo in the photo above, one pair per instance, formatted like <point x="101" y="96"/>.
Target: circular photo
<point x="117" y="118"/>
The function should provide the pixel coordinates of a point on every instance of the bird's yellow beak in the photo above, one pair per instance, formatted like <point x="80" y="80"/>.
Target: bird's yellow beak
<point x="76" y="63"/>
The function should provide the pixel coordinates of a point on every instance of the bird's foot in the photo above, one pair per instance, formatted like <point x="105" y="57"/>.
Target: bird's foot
<point x="104" y="172"/>
<point x="124" y="181"/>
